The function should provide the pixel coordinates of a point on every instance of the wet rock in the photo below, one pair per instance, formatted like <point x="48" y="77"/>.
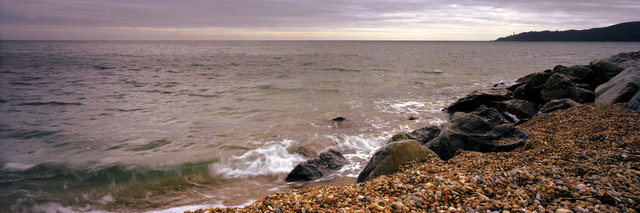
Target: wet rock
<point x="634" y="103"/>
<point x="316" y="168"/>
<point x="620" y="88"/>
<point x="560" y="86"/>
<point x="480" y="97"/>
<point x="471" y="132"/>
<point x="558" y="104"/>
<point x="422" y="135"/>
<point x="389" y="158"/>
<point x="305" y="150"/>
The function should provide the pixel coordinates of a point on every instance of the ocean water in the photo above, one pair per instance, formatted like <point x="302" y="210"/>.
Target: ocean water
<point x="172" y="125"/>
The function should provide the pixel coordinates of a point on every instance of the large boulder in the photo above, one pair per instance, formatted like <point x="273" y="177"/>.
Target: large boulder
<point x="422" y="135"/>
<point x="389" y="158"/>
<point x="531" y="85"/>
<point x="581" y="75"/>
<point x="316" y="168"/>
<point x="634" y="103"/>
<point x="558" y="104"/>
<point x="522" y="109"/>
<point x="480" y="97"/>
<point x="560" y="86"/>
<point x="621" y="87"/>
<point x="472" y="132"/>
<point x="607" y="68"/>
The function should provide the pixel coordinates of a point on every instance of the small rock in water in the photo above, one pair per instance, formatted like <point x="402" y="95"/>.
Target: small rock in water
<point x="339" y="119"/>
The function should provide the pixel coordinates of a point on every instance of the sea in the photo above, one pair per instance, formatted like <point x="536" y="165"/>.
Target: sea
<point x="166" y="126"/>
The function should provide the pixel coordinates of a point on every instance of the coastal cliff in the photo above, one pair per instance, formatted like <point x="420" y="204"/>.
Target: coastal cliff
<point x="571" y="156"/>
<point x="629" y="31"/>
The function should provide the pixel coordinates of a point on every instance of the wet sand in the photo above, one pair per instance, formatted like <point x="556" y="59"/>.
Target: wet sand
<point x="582" y="159"/>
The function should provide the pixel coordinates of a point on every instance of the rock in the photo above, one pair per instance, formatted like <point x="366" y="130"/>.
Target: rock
<point x="607" y="68"/>
<point x="561" y="210"/>
<point x="472" y="132"/>
<point x="620" y="88"/>
<point x="492" y="116"/>
<point x="389" y="158"/>
<point x="634" y="103"/>
<point x="522" y="109"/>
<point x="531" y="86"/>
<point x="560" y="86"/>
<point x="422" y="135"/>
<point x="558" y="104"/>
<point x="316" y="168"/>
<point x="480" y="97"/>
<point x="579" y="74"/>
<point x="397" y="205"/>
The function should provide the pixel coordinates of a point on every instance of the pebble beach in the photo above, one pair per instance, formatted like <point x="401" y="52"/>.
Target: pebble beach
<point x="582" y="159"/>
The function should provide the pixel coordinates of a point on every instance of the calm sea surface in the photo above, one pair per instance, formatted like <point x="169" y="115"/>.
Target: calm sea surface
<point x="167" y="125"/>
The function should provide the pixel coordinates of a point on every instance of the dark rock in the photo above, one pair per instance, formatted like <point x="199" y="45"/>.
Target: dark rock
<point x="389" y="158"/>
<point x="522" y="109"/>
<point x="316" y="168"/>
<point x="634" y="103"/>
<point x="411" y="118"/>
<point x="558" y="104"/>
<point x="338" y="119"/>
<point x="581" y="75"/>
<point x="560" y="86"/>
<point x="474" y="133"/>
<point x="491" y="115"/>
<point x="422" y="135"/>
<point x="532" y="86"/>
<point x="479" y="97"/>
<point x="620" y="88"/>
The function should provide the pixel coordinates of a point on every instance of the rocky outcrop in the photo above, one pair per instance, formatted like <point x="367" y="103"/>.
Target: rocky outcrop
<point x="316" y="168"/>
<point x="388" y="159"/>
<point x="422" y="135"/>
<point x="472" y="132"/>
<point x="558" y="104"/>
<point x="560" y="86"/>
<point x="620" y="88"/>
<point x="480" y="97"/>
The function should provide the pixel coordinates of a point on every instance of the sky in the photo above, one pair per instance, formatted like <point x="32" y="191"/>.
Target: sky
<point x="302" y="19"/>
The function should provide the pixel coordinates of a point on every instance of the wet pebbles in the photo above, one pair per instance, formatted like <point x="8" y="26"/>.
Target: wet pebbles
<point x="582" y="159"/>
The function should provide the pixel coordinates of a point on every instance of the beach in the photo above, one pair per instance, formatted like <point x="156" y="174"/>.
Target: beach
<point x="582" y="159"/>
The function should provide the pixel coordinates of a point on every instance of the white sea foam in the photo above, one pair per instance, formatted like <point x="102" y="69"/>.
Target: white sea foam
<point x="273" y="158"/>
<point x="194" y="207"/>
<point x="15" y="166"/>
<point x="410" y="107"/>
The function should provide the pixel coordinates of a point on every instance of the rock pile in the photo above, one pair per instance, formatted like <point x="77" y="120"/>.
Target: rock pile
<point x="582" y="159"/>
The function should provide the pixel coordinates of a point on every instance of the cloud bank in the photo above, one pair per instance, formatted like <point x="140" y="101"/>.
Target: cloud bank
<point x="295" y="19"/>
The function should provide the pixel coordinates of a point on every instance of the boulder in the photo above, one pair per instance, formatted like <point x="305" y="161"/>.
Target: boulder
<point x="492" y="116"/>
<point x="389" y="158"/>
<point x="472" y="132"/>
<point x="316" y="168"/>
<point x="480" y="97"/>
<point x="609" y="67"/>
<point x="560" y="86"/>
<point x="581" y="75"/>
<point x="634" y="103"/>
<point x="558" y="104"/>
<point x="522" y="109"/>
<point x="621" y="87"/>
<point x="422" y="135"/>
<point x="531" y="87"/>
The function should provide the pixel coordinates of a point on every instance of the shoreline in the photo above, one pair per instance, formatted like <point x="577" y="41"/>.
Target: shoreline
<point x="575" y="150"/>
<point x="584" y="157"/>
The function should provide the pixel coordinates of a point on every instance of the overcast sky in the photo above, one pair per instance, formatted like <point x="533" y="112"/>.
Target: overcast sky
<point x="303" y="19"/>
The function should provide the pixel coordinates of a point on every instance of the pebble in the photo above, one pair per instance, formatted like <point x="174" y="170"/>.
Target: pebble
<point x="549" y="172"/>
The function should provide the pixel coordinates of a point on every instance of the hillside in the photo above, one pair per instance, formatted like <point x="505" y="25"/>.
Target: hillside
<point x="629" y="31"/>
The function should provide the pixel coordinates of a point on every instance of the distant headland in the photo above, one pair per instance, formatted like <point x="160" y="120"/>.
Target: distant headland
<point x="629" y="31"/>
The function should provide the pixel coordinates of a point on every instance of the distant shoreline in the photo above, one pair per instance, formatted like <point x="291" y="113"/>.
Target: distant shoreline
<point x="623" y="32"/>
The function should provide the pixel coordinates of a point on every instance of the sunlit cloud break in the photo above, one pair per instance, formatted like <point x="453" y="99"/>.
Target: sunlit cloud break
<point x="300" y="20"/>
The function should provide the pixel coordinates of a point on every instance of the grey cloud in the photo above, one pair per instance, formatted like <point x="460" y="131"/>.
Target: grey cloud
<point x="292" y="13"/>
